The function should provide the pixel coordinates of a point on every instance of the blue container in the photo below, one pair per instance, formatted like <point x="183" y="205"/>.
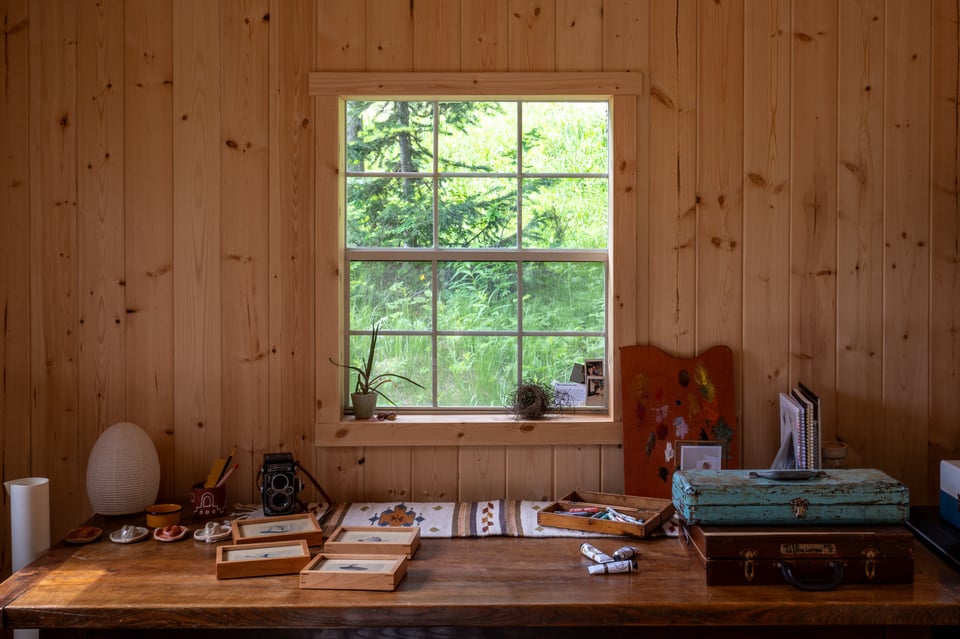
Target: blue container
<point x="950" y="491"/>
<point x="825" y="497"/>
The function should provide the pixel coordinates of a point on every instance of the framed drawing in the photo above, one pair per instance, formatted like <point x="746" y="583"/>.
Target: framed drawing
<point x="256" y="560"/>
<point x="303" y="526"/>
<point x="336" y="571"/>
<point x="374" y="540"/>
<point x="699" y="455"/>
<point x="667" y="400"/>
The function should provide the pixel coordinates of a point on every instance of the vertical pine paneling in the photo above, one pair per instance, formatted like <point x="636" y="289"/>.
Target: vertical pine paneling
<point x="15" y="259"/>
<point x="244" y="232"/>
<point x="719" y="175"/>
<point x="197" y="245"/>
<point x="436" y="47"/>
<point x="482" y="473"/>
<point x="484" y="29"/>
<point x="944" y="434"/>
<point x="671" y="305"/>
<point x="292" y="258"/>
<point x="100" y="220"/>
<point x="532" y="35"/>
<point x="148" y="226"/>
<point x="860" y="225"/>
<point x="340" y="47"/>
<point x="813" y="202"/>
<point x="766" y="226"/>
<point x="902" y="447"/>
<point x="53" y="254"/>
<point x="579" y="35"/>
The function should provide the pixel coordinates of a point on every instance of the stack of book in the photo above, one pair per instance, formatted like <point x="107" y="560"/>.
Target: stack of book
<point x="800" y="428"/>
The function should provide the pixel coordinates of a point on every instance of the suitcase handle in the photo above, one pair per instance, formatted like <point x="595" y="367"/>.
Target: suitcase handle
<point x="828" y="583"/>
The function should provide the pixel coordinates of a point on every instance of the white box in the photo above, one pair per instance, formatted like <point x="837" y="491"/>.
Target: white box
<point x="950" y="491"/>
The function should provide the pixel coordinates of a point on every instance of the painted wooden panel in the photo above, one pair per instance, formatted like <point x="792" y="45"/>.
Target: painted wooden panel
<point x="766" y="225"/>
<point x="860" y="226"/>
<point x="902" y="445"/>
<point x="15" y="265"/>
<point x="148" y="225"/>
<point x="813" y="202"/>
<point x="944" y="433"/>
<point x="244" y="235"/>
<point x="484" y="29"/>
<point x="54" y="342"/>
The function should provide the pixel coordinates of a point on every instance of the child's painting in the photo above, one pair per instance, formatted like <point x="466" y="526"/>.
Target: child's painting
<point x="668" y="401"/>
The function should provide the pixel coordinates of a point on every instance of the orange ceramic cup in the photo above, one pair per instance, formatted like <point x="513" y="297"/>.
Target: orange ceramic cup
<point x="160" y="515"/>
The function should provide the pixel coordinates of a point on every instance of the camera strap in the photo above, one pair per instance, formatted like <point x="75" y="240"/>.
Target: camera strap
<point x="316" y="484"/>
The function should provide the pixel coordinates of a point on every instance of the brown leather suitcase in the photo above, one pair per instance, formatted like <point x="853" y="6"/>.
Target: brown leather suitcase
<point x="809" y="558"/>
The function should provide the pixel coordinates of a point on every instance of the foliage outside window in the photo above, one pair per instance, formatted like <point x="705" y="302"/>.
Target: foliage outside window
<point x="477" y="235"/>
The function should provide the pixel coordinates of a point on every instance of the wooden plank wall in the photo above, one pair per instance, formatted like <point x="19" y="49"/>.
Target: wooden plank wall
<point x="797" y="199"/>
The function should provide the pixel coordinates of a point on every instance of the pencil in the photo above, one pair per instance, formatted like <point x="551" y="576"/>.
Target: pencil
<point x="226" y="465"/>
<point x="226" y="475"/>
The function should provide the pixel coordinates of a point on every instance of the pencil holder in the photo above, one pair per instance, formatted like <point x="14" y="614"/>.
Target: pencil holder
<point x="208" y="502"/>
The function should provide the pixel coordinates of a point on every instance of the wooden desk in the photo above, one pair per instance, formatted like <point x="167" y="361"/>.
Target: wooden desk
<point x="486" y="587"/>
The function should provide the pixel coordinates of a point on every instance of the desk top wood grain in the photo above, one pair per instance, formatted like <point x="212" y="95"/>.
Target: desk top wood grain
<point x="488" y="582"/>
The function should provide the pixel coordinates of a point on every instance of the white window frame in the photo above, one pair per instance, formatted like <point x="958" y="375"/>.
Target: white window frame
<point x="330" y="89"/>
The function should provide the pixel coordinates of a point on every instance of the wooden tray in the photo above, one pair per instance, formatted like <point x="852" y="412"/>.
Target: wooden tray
<point x="256" y="560"/>
<point x="336" y="571"/>
<point x="653" y="512"/>
<point x="303" y="526"/>
<point x="374" y="540"/>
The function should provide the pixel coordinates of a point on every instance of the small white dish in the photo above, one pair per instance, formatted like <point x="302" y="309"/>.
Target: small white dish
<point x="129" y="534"/>
<point x="212" y="532"/>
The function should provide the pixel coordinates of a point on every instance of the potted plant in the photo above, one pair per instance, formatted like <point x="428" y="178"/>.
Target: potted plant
<point x="367" y="388"/>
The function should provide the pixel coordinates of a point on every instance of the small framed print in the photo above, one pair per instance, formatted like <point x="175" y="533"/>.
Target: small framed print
<point x="256" y="560"/>
<point x="593" y="367"/>
<point x="286" y="528"/>
<point x="699" y="455"/>
<point x="374" y="540"/>
<point x="335" y="571"/>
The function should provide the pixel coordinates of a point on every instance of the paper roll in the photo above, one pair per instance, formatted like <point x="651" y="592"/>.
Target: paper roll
<point x="29" y="518"/>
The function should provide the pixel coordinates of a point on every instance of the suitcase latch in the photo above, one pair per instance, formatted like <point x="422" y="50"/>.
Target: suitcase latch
<point x="749" y="565"/>
<point x="870" y="567"/>
<point x="799" y="506"/>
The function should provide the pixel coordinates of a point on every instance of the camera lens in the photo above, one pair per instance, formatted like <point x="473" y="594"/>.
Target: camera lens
<point x="279" y="501"/>
<point x="279" y="481"/>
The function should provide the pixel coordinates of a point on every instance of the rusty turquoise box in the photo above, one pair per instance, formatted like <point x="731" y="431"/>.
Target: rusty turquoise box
<point x="776" y="498"/>
<point x="950" y="491"/>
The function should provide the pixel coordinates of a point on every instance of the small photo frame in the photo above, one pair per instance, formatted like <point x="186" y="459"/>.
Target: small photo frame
<point x="335" y="571"/>
<point x="699" y="455"/>
<point x="285" y="528"/>
<point x="593" y="367"/>
<point x="374" y="540"/>
<point x="256" y="560"/>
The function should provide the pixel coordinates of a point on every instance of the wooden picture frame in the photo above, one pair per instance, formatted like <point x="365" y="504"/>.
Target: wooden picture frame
<point x="335" y="571"/>
<point x="374" y="540"/>
<point x="257" y="560"/>
<point x="698" y="454"/>
<point x="284" y="528"/>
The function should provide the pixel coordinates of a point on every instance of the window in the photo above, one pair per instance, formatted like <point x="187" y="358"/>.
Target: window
<point x="623" y="278"/>
<point x="476" y="238"/>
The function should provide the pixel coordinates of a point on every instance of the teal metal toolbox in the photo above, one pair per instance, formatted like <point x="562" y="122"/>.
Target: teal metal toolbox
<point x="783" y="497"/>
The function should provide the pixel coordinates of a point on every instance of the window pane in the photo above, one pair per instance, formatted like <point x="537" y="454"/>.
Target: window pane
<point x="407" y="355"/>
<point x="397" y="293"/>
<point x="477" y="296"/>
<point x="563" y="296"/>
<point x="565" y="213"/>
<point x="478" y="212"/>
<point x="389" y="212"/>
<point x="565" y="137"/>
<point x="477" y="137"/>
<point x="389" y="137"/>
<point x="551" y="358"/>
<point x="475" y="370"/>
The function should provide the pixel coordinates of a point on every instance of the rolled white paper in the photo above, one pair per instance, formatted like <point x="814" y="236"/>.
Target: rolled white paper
<point x="29" y="518"/>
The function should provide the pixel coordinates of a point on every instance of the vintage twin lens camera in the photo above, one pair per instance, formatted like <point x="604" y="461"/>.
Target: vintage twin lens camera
<point x="280" y="484"/>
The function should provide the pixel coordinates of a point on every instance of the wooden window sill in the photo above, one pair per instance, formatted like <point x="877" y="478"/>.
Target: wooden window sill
<point x="471" y="430"/>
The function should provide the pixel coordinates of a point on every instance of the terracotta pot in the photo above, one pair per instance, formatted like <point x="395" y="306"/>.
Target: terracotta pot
<point x="363" y="404"/>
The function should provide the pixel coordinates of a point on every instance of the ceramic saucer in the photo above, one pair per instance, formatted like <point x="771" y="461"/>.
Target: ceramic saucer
<point x="212" y="532"/>
<point x="129" y="534"/>
<point x="172" y="532"/>
<point x="83" y="535"/>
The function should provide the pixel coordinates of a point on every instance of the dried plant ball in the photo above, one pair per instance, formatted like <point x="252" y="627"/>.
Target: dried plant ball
<point x="532" y="400"/>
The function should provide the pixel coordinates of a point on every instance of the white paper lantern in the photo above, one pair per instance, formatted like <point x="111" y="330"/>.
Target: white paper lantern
<point x="123" y="472"/>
